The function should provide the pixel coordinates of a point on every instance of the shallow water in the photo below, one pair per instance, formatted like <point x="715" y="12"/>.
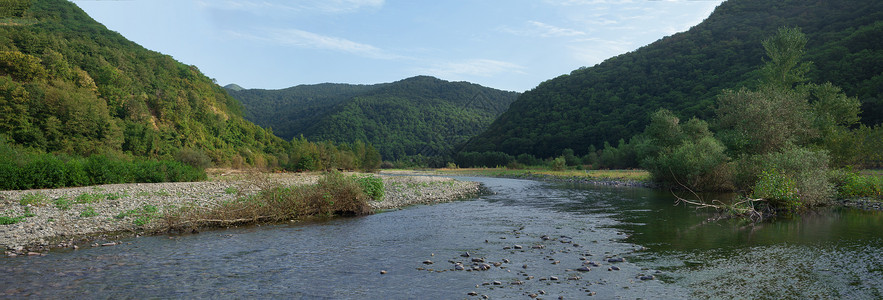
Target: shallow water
<point x="834" y="253"/>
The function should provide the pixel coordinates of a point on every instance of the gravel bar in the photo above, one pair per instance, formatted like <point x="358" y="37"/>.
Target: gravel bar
<point x="67" y="217"/>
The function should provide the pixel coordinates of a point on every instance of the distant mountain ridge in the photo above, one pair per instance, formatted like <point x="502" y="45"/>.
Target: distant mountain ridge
<point x="418" y="115"/>
<point x="684" y="73"/>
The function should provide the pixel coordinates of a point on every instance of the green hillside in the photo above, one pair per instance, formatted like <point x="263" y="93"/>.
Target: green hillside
<point x="70" y="85"/>
<point x="419" y="115"/>
<point x="686" y="71"/>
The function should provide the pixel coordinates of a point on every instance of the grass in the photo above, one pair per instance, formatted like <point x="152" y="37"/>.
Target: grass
<point x="334" y="194"/>
<point x="88" y="212"/>
<point x="141" y="216"/>
<point x="599" y="175"/>
<point x="88" y="198"/>
<point x="62" y="203"/>
<point x="33" y="199"/>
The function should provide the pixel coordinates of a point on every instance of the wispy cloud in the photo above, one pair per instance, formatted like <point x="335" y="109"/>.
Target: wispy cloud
<point x="305" y="39"/>
<point x="472" y="67"/>
<point x="323" y="6"/>
<point x="547" y="30"/>
<point x="540" y="29"/>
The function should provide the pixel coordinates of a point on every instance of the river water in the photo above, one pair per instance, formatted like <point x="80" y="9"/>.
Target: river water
<point x="830" y="253"/>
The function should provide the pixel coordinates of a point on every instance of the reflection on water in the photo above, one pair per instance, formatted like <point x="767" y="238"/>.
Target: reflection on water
<point x="831" y="253"/>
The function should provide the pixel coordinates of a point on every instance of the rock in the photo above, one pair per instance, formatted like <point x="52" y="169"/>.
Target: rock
<point x="478" y="260"/>
<point x="584" y="269"/>
<point x="613" y="268"/>
<point x="533" y="295"/>
<point x="505" y="261"/>
<point x="108" y="244"/>
<point x="553" y="277"/>
<point x="517" y="247"/>
<point x="465" y="254"/>
<point x="382" y="272"/>
<point x="556" y="262"/>
<point x="459" y="267"/>
<point x="646" y="277"/>
<point x="497" y="283"/>
<point x="539" y="246"/>
<point x="472" y="294"/>
<point x="616" y="259"/>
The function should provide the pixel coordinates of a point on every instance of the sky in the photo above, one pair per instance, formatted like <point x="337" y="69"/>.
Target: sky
<point x="511" y="45"/>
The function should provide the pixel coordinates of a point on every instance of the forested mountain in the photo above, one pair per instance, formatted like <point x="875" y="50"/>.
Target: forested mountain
<point x="419" y="115"/>
<point x="69" y="85"/>
<point x="686" y="71"/>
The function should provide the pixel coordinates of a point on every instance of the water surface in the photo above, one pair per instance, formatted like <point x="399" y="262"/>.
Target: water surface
<point x="833" y="253"/>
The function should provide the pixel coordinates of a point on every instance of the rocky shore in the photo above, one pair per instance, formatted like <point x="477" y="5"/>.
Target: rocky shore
<point x="72" y="217"/>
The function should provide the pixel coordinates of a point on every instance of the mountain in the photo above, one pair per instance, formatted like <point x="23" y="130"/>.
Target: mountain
<point x="68" y="85"/>
<point x="686" y="71"/>
<point x="233" y="87"/>
<point x="419" y="115"/>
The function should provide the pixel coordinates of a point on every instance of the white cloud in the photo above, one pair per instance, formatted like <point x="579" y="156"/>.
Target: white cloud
<point x="305" y="39"/>
<point x="547" y="30"/>
<point x="540" y="29"/>
<point x="472" y="67"/>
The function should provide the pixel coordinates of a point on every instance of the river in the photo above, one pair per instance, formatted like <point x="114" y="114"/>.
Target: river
<point x="534" y="236"/>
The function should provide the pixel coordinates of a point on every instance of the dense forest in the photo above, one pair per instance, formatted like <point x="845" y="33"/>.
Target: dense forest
<point x="685" y="72"/>
<point x="421" y="115"/>
<point x="70" y="88"/>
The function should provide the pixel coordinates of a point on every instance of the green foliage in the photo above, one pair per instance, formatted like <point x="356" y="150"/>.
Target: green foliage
<point x="372" y="186"/>
<point x="88" y="212"/>
<point x="70" y="86"/>
<point x="807" y="169"/>
<point x="23" y="169"/>
<point x="853" y="185"/>
<point x="482" y="159"/>
<point x="779" y="189"/>
<point x="34" y="199"/>
<point x="141" y="216"/>
<point x="559" y="163"/>
<point x="415" y="116"/>
<point x="62" y="203"/>
<point x="684" y="73"/>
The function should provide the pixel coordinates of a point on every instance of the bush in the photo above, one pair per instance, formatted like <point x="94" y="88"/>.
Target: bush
<point x="852" y="185"/>
<point x="193" y="158"/>
<point x="700" y="165"/>
<point x="808" y="169"/>
<point x="778" y="189"/>
<point x="372" y="186"/>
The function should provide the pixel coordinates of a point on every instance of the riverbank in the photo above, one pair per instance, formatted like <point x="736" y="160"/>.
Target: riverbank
<point x="72" y="217"/>
<point x="636" y="178"/>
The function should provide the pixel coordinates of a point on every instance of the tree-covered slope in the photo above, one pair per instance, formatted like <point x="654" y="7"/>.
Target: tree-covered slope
<point x="70" y="85"/>
<point x="419" y="115"/>
<point x="684" y="73"/>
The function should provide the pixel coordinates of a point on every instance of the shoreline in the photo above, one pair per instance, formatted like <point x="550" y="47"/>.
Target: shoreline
<point x="100" y="215"/>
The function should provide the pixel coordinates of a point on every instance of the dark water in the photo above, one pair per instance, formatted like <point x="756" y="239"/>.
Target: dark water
<point x="833" y="253"/>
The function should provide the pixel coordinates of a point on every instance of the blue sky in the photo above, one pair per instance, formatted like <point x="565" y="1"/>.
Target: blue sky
<point x="506" y="44"/>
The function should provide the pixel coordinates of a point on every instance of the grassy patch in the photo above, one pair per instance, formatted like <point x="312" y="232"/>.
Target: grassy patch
<point x="33" y="199"/>
<point x="88" y="212"/>
<point x="62" y="203"/>
<point x="141" y="216"/>
<point x="857" y="184"/>
<point x="626" y="175"/>
<point x="231" y="190"/>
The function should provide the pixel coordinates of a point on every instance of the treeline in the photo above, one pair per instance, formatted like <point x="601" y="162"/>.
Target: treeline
<point x="686" y="71"/>
<point x="407" y="120"/>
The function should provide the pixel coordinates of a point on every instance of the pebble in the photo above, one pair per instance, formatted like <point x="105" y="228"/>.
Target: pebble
<point x="584" y="269"/>
<point x="616" y="259"/>
<point x="518" y="246"/>
<point x="427" y="262"/>
<point x="382" y="272"/>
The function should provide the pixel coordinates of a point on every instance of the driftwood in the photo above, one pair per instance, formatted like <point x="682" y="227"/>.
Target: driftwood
<point x="744" y="208"/>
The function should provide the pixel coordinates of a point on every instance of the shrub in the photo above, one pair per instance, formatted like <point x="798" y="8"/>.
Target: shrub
<point x="558" y="163"/>
<point x="372" y="186"/>
<point x="700" y="165"/>
<point x="851" y="184"/>
<point x="33" y="199"/>
<point x="193" y="158"/>
<point x="778" y="189"/>
<point x="808" y="169"/>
